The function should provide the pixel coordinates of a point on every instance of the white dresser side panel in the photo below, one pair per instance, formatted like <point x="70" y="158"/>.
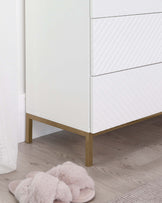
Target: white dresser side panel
<point x="57" y="61"/>
<point x="126" y="42"/>
<point x="122" y="97"/>
<point x="105" y="8"/>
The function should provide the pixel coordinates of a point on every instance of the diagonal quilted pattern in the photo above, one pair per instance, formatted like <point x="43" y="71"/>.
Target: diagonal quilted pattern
<point x="126" y="96"/>
<point x="126" y="42"/>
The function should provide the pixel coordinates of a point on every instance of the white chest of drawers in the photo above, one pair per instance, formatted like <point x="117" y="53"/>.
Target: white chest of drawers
<point x="93" y="65"/>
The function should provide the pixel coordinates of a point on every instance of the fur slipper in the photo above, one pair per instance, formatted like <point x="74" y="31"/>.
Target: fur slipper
<point x="76" y="177"/>
<point x="42" y="188"/>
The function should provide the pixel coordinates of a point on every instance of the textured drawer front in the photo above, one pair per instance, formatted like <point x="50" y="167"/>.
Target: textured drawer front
<point x="125" y="96"/>
<point x="104" y="8"/>
<point x="126" y="42"/>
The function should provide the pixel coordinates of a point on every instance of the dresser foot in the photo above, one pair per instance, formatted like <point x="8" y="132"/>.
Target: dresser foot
<point x="29" y="126"/>
<point x="89" y="150"/>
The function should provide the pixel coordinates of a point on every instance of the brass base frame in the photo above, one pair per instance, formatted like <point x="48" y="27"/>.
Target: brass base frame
<point x="89" y="136"/>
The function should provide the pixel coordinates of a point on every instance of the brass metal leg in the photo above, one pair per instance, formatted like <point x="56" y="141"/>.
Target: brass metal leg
<point x="29" y="126"/>
<point x="89" y="150"/>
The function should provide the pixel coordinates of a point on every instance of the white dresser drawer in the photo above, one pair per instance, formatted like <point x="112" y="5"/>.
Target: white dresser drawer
<point x="125" y="96"/>
<point x="105" y="8"/>
<point x="126" y="42"/>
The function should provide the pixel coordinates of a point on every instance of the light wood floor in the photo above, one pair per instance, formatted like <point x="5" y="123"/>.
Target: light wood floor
<point x="123" y="159"/>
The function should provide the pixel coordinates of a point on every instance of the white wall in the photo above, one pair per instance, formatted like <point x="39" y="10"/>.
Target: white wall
<point x="39" y="129"/>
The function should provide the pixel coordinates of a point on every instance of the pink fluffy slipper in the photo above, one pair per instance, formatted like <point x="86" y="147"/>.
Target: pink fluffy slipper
<point x="76" y="177"/>
<point x="42" y="188"/>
